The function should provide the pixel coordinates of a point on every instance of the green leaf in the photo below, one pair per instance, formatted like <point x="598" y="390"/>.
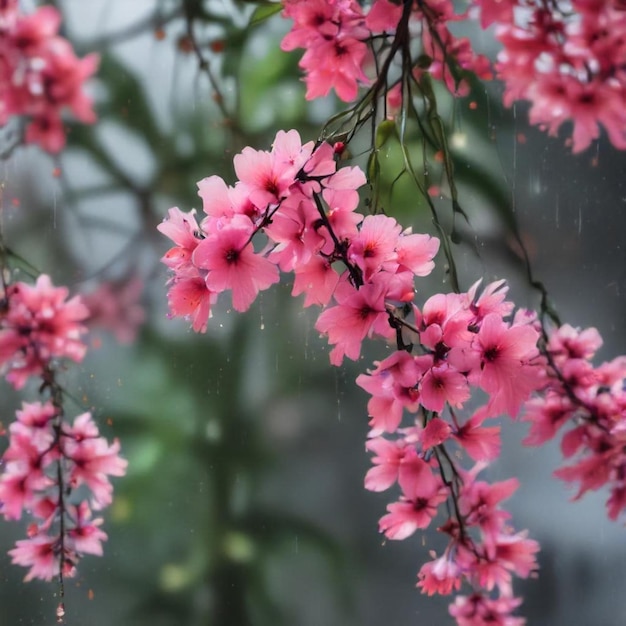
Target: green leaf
<point x="373" y="167"/>
<point x="385" y="130"/>
<point x="264" y="12"/>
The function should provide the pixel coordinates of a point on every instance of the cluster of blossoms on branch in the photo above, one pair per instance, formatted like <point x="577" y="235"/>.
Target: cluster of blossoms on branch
<point x="306" y="209"/>
<point x="55" y="471"/>
<point x="591" y="402"/>
<point x="465" y="349"/>
<point x="341" y="40"/>
<point x="361" y="271"/>
<point x="115" y="306"/>
<point x="459" y="360"/>
<point x="565" y="58"/>
<point x="40" y="75"/>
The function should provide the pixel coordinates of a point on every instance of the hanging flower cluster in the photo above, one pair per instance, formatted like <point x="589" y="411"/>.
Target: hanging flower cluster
<point x="40" y="76"/>
<point x="55" y="471"/>
<point x="591" y="401"/>
<point x="46" y="461"/>
<point x="340" y="40"/>
<point x="567" y="59"/>
<point x="306" y="209"/>
<point x="361" y="271"/>
<point x="460" y="359"/>
<point x="468" y="349"/>
<point x="38" y="325"/>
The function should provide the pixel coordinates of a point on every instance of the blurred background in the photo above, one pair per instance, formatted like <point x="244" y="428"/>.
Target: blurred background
<point x="244" y="503"/>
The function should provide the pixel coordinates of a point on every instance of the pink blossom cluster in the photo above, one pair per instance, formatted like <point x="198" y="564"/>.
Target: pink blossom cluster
<point x="361" y="271"/>
<point x="56" y="472"/>
<point x="305" y="209"/>
<point x="340" y="40"/>
<point x="45" y="465"/>
<point x="591" y="403"/>
<point x="470" y="348"/>
<point x="567" y="59"/>
<point x="38" y="325"/>
<point x="40" y="75"/>
<point x="115" y="306"/>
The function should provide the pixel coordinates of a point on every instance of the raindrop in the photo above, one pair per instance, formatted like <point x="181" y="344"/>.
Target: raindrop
<point x="337" y="395"/>
<point x="513" y="179"/>
<point x="556" y="207"/>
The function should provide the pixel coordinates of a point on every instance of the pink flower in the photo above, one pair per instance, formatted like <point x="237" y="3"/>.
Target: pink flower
<point x="317" y="280"/>
<point x="493" y="563"/>
<point x="48" y="131"/>
<point x="335" y="64"/>
<point x="567" y="64"/>
<point x="85" y="537"/>
<point x="312" y="19"/>
<point x="505" y="360"/>
<point x="547" y="414"/>
<point x="182" y="229"/>
<point x="491" y="300"/>
<point x="93" y="460"/>
<point x="443" y="385"/>
<point x="383" y="16"/>
<point x="573" y="343"/>
<point x="190" y="298"/>
<point x="266" y="181"/>
<point x="19" y="485"/>
<point x="31" y="449"/>
<point x="416" y="253"/>
<point x="340" y="193"/>
<point x="592" y="472"/>
<point x="435" y="433"/>
<point x="495" y="11"/>
<point x="479" y="502"/>
<point x="375" y="244"/>
<point x="216" y="198"/>
<point x="289" y="152"/>
<point x="293" y="229"/>
<point x="482" y="443"/>
<point x="388" y="457"/>
<point x="359" y="313"/>
<point x="443" y="323"/>
<point x="422" y="493"/>
<point x="233" y="264"/>
<point x="479" y="610"/>
<point x="46" y="457"/>
<point x="393" y="387"/>
<point x="440" y="576"/>
<point x="514" y="552"/>
<point x="40" y="553"/>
